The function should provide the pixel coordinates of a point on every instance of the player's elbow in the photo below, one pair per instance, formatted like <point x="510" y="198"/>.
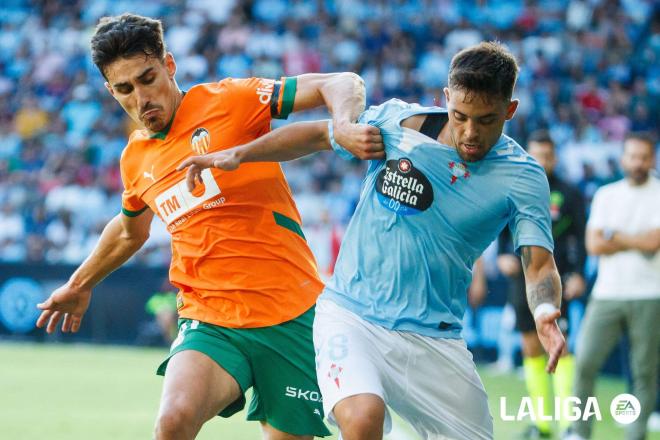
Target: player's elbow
<point x="354" y="78"/>
<point x="135" y="238"/>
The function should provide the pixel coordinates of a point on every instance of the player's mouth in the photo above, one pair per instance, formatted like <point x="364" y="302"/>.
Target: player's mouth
<point x="149" y="114"/>
<point x="471" y="148"/>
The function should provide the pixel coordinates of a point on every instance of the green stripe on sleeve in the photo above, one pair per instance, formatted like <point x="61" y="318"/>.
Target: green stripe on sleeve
<point x="288" y="97"/>
<point x="129" y="213"/>
<point x="289" y="224"/>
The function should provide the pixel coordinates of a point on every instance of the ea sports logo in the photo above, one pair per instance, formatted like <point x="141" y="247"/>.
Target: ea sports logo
<point x="625" y="408"/>
<point x="200" y="141"/>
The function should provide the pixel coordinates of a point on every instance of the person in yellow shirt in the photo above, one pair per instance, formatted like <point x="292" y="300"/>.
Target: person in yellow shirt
<point x="247" y="280"/>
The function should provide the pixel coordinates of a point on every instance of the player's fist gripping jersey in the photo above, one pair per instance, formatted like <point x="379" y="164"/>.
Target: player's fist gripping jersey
<point x="239" y="256"/>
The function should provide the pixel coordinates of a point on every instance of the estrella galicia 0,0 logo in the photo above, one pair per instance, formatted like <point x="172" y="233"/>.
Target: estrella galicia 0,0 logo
<point x="402" y="188"/>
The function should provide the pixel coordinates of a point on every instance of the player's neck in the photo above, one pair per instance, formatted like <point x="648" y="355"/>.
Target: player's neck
<point x="178" y="97"/>
<point x="445" y="136"/>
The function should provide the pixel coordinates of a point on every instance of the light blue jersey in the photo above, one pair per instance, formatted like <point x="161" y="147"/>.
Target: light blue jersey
<point x="424" y="217"/>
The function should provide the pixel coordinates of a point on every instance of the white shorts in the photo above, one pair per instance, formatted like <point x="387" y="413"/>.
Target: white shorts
<point x="431" y="383"/>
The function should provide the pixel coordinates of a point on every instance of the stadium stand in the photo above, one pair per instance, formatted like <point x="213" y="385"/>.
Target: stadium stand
<point x="590" y="73"/>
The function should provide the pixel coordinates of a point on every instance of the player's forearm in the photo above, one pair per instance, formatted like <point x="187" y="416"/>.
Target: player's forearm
<point x="543" y="288"/>
<point x="286" y="143"/>
<point x="542" y="281"/>
<point x="345" y="96"/>
<point x="114" y="248"/>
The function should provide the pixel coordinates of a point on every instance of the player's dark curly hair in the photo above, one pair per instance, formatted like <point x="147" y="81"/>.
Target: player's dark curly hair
<point x="487" y="69"/>
<point x="125" y="36"/>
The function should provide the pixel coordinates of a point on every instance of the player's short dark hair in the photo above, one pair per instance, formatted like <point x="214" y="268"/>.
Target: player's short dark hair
<point x="125" y="36"/>
<point x="643" y="136"/>
<point x="542" y="137"/>
<point x="487" y="69"/>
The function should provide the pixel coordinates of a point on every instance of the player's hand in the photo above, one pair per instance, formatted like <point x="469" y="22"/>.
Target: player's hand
<point x="363" y="141"/>
<point x="65" y="303"/>
<point x="551" y="338"/>
<point x="509" y="265"/>
<point x="226" y="160"/>
<point x="574" y="286"/>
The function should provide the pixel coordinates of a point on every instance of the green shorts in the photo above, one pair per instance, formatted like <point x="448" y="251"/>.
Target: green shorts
<point x="277" y="361"/>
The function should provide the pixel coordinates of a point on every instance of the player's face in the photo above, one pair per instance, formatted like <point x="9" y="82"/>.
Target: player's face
<point x="544" y="153"/>
<point x="476" y="122"/>
<point x="638" y="160"/>
<point x="145" y="88"/>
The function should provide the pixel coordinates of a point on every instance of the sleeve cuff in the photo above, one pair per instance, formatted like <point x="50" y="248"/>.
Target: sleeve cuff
<point x="288" y="89"/>
<point x="129" y="213"/>
<point x="341" y="151"/>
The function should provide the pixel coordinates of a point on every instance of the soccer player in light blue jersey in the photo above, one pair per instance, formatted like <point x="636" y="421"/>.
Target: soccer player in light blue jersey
<point x="387" y="331"/>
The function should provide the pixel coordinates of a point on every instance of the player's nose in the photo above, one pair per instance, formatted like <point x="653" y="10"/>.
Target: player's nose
<point x="471" y="132"/>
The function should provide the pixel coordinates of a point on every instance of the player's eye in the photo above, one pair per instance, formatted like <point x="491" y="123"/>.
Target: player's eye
<point x="124" y="90"/>
<point x="487" y="121"/>
<point x="148" y="80"/>
<point x="459" y="116"/>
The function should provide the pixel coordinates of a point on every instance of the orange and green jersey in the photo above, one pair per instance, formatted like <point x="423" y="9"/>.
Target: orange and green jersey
<point x="239" y="257"/>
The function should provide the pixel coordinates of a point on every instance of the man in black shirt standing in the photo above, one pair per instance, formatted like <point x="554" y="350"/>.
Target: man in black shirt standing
<point x="567" y="209"/>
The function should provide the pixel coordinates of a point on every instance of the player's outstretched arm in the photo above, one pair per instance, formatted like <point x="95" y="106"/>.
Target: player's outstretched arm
<point x="344" y="95"/>
<point x="544" y="298"/>
<point x="121" y="238"/>
<point x="479" y="286"/>
<point x="285" y="143"/>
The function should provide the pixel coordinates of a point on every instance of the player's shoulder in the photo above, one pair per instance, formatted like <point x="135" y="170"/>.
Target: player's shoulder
<point x="384" y="111"/>
<point x="215" y="87"/>
<point x="239" y="84"/>
<point x="204" y="89"/>
<point x="394" y="109"/>
<point x="234" y="92"/>
<point x="506" y="149"/>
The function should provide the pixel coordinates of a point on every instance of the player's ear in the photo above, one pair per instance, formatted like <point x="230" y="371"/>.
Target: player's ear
<point x="170" y="65"/>
<point x="511" y="109"/>
<point x="109" y="87"/>
<point x="446" y="91"/>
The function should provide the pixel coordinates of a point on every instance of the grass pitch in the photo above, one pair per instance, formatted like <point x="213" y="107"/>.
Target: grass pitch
<point x="73" y="392"/>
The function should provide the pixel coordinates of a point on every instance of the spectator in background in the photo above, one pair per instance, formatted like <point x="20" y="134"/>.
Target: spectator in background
<point x="162" y="306"/>
<point x="12" y="232"/>
<point x="31" y="119"/>
<point x="624" y="231"/>
<point x="572" y="52"/>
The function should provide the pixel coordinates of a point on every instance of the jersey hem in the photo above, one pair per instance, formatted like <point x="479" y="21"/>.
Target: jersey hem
<point x="345" y="303"/>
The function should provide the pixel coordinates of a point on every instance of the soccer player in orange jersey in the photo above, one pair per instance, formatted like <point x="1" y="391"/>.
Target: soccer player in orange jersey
<point x="247" y="279"/>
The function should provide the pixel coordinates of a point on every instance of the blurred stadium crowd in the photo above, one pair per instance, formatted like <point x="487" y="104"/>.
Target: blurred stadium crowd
<point x="590" y="72"/>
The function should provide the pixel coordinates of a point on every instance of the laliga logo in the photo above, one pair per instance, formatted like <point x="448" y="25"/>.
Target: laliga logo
<point x="625" y="409"/>
<point x="564" y="409"/>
